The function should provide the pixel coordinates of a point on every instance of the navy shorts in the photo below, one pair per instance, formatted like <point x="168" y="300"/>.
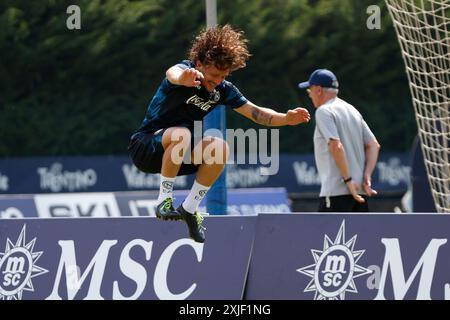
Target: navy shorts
<point x="146" y="152"/>
<point x="344" y="203"/>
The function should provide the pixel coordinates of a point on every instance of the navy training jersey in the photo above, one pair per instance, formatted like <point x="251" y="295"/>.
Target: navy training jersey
<point x="175" y="105"/>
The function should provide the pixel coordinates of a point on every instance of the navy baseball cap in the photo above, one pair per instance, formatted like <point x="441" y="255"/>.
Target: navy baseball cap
<point x="321" y="77"/>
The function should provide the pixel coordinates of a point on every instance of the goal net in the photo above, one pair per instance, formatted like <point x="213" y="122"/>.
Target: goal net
<point x="422" y="28"/>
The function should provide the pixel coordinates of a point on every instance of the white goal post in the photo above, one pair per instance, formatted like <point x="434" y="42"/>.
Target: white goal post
<point x="422" y="28"/>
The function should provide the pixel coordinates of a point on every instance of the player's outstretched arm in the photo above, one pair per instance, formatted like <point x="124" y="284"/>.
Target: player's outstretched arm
<point x="190" y="77"/>
<point x="269" y="117"/>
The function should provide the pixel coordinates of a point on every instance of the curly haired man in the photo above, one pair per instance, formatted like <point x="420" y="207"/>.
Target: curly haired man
<point x="190" y="90"/>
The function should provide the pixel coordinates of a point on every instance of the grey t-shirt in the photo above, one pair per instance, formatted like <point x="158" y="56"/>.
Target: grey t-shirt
<point x="336" y="119"/>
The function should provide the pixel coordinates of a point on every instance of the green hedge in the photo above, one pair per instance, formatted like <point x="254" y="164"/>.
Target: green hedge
<point x="70" y="92"/>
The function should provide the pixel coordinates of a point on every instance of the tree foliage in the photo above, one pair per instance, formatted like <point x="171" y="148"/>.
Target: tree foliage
<point x="70" y="92"/>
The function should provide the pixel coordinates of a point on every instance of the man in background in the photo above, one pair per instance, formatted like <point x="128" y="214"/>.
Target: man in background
<point x="345" y="148"/>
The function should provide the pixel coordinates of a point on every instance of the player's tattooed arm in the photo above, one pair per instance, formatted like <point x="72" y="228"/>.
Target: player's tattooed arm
<point x="261" y="117"/>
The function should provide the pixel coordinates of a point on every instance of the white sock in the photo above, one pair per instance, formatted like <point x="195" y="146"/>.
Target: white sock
<point x="194" y="198"/>
<point x="165" y="188"/>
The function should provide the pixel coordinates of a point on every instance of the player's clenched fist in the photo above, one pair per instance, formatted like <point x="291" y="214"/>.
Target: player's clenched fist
<point x="190" y="77"/>
<point x="297" y="116"/>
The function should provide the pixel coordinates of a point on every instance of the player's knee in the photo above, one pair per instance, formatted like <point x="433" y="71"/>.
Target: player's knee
<point x="225" y="149"/>
<point x="178" y="136"/>
<point x="216" y="151"/>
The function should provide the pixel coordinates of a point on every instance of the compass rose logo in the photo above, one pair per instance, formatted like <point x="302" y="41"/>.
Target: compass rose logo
<point x="18" y="267"/>
<point x="335" y="268"/>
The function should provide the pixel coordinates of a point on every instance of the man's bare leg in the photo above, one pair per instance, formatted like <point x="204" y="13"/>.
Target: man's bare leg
<point x="175" y="142"/>
<point x="214" y="155"/>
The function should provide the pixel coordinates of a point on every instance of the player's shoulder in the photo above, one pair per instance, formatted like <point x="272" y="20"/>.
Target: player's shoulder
<point x="229" y="86"/>
<point x="185" y="64"/>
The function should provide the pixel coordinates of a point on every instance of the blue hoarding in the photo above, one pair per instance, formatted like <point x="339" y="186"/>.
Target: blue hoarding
<point x="350" y="256"/>
<point x="123" y="258"/>
<point x="266" y="257"/>
<point x="137" y="204"/>
<point x="296" y="173"/>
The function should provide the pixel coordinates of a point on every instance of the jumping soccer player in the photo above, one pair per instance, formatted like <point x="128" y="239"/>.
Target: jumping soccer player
<point x="190" y="90"/>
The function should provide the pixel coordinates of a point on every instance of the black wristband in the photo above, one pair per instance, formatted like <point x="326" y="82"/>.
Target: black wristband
<point x="347" y="180"/>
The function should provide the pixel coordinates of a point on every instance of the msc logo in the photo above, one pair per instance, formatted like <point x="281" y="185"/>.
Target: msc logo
<point x="335" y="268"/>
<point x="18" y="267"/>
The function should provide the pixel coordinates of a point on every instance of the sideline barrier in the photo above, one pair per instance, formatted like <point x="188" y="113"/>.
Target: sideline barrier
<point x="143" y="203"/>
<point x="350" y="256"/>
<point x="123" y="258"/>
<point x="293" y="257"/>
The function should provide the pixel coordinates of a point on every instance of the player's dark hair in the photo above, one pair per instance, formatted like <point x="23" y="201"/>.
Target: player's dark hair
<point x="223" y="47"/>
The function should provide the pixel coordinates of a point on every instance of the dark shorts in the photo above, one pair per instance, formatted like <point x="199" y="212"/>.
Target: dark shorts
<point x="146" y="152"/>
<point x="344" y="203"/>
